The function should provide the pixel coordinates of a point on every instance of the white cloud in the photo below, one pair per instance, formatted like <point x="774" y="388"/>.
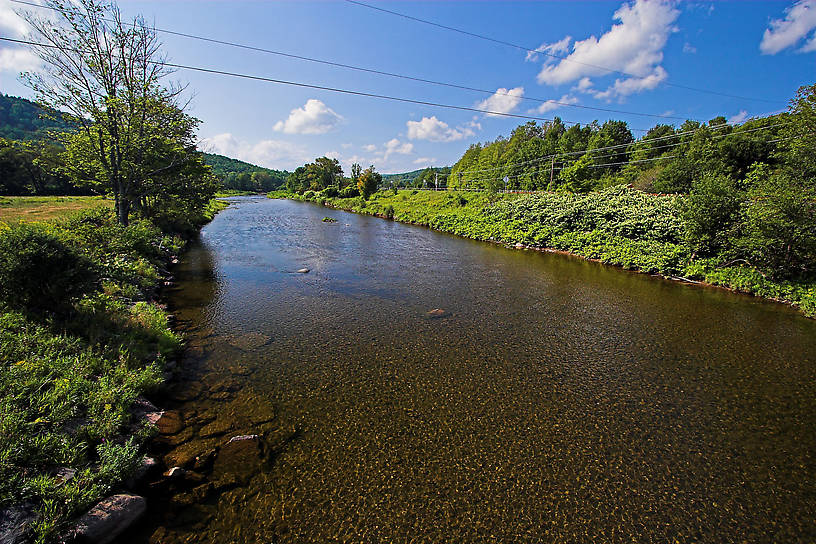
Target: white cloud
<point x="10" y="21"/>
<point x="434" y="130"/>
<point x="427" y="161"/>
<point x="18" y="60"/>
<point x="738" y="118"/>
<point x="275" y="154"/>
<point x="631" y="85"/>
<point x="559" y="48"/>
<point x="13" y="59"/>
<point x="313" y="118"/>
<point x="688" y="48"/>
<point x="551" y="105"/>
<point x="502" y="101"/>
<point x="799" y="21"/>
<point x="370" y="147"/>
<point x="395" y="146"/>
<point x="634" y="45"/>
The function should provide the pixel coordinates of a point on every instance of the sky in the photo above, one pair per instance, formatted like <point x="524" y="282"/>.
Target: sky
<point x="679" y="60"/>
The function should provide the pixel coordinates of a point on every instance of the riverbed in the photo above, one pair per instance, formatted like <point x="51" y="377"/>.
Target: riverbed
<point x="551" y="400"/>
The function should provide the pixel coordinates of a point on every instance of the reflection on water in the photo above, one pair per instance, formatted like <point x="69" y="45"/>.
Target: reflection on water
<point x="560" y="400"/>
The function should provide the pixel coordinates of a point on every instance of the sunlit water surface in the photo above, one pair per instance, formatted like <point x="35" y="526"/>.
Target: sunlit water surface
<point x="560" y="401"/>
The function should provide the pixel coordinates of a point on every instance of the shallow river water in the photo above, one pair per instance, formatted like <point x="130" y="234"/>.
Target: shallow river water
<point x="556" y="400"/>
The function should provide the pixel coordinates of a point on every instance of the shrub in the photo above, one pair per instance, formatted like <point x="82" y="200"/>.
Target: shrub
<point x="39" y="272"/>
<point x="389" y="211"/>
<point x="330" y="191"/>
<point x="349" y="192"/>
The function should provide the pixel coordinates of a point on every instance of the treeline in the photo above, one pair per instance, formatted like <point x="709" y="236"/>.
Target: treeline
<point x="422" y="178"/>
<point x="325" y="177"/>
<point x="243" y="176"/>
<point x="31" y="161"/>
<point x="581" y="158"/>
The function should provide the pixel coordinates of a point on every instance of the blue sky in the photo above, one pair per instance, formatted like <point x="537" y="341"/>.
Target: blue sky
<point x="762" y="50"/>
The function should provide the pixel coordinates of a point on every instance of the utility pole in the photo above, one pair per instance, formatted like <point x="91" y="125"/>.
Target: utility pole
<point x="436" y="180"/>
<point x="552" y="170"/>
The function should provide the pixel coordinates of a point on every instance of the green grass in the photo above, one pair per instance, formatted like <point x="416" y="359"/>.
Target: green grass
<point x="617" y="226"/>
<point x="68" y="380"/>
<point x="46" y="208"/>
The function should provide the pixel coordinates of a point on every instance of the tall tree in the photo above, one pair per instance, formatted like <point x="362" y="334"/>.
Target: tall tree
<point x="108" y="73"/>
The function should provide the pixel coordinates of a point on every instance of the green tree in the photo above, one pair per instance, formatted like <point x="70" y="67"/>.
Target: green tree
<point x="368" y="182"/>
<point x="710" y="212"/>
<point x="107" y="73"/>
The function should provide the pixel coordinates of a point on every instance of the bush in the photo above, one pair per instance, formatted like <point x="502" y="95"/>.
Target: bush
<point x="40" y="273"/>
<point x="349" y="192"/>
<point x="709" y="213"/>
<point x="330" y="191"/>
<point x="389" y="211"/>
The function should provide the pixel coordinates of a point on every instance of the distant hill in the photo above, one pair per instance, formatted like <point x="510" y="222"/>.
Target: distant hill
<point x="417" y="178"/>
<point x="244" y="176"/>
<point x="22" y="119"/>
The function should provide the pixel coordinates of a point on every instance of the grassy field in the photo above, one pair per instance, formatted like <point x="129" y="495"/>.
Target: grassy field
<point x="45" y="208"/>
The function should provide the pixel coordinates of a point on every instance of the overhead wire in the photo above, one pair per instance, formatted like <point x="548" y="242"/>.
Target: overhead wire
<point x="560" y="57"/>
<point x="375" y="71"/>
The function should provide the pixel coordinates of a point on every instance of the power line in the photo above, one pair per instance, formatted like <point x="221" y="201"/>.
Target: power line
<point x="371" y="70"/>
<point x="318" y="87"/>
<point x="536" y="50"/>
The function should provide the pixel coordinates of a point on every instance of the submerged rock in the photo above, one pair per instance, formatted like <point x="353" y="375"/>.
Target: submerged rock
<point x="170" y="422"/>
<point x="110" y="518"/>
<point x="303" y="271"/>
<point x="437" y="313"/>
<point x="239" y="457"/>
<point x="250" y="340"/>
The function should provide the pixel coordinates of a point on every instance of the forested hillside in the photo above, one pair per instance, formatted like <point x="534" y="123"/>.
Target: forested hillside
<point x="243" y="176"/>
<point x="30" y="161"/>
<point x="423" y="177"/>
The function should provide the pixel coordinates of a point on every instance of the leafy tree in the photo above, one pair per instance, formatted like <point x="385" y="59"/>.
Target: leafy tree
<point x="710" y="212"/>
<point x="368" y="182"/>
<point x="107" y="74"/>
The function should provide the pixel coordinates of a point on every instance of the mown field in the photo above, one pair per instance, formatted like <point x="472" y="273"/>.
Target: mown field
<point x="618" y="226"/>
<point x="46" y="208"/>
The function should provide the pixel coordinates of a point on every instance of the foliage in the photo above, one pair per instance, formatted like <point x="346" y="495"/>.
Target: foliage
<point x="710" y="213"/>
<point x="368" y="182"/>
<point x="41" y="273"/>
<point x="235" y="175"/>
<point x="315" y="176"/>
<point x="22" y="119"/>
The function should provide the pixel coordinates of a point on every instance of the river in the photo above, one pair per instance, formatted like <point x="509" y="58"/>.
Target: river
<point x="555" y="400"/>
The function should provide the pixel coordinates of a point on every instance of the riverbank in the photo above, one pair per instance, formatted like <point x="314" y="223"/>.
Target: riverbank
<point x="83" y="338"/>
<point x="619" y="226"/>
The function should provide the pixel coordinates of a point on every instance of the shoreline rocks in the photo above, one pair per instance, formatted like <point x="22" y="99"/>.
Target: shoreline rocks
<point x="109" y="518"/>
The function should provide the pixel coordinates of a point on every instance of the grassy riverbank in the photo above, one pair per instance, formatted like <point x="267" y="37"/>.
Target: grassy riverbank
<point x="618" y="226"/>
<point x="46" y="208"/>
<point x="82" y="336"/>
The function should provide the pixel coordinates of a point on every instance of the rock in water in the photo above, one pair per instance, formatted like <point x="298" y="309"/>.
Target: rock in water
<point x="110" y="518"/>
<point x="437" y="313"/>
<point x="170" y="422"/>
<point x="303" y="271"/>
<point x="239" y="458"/>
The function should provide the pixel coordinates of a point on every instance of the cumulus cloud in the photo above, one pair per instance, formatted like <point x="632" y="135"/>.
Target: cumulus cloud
<point x="434" y="130"/>
<point x="799" y="21"/>
<point x="370" y="147"/>
<point x="738" y="118"/>
<point x="395" y="146"/>
<point x="558" y="48"/>
<point x="502" y="101"/>
<point x="551" y="105"/>
<point x="275" y="154"/>
<point x="688" y="48"/>
<point x="313" y="118"/>
<point x="427" y="161"/>
<point x="12" y="58"/>
<point x="634" y="45"/>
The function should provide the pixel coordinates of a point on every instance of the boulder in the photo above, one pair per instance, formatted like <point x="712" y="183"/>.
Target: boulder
<point x="15" y="523"/>
<point x="216" y="428"/>
<point x="110" y="518"/>
<point x="170" y="422"/>
<point x="437" y="313"/>
<point x="148" y="468"/>
<point x="303" y="271"/>
<point x="239" y="457"/>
